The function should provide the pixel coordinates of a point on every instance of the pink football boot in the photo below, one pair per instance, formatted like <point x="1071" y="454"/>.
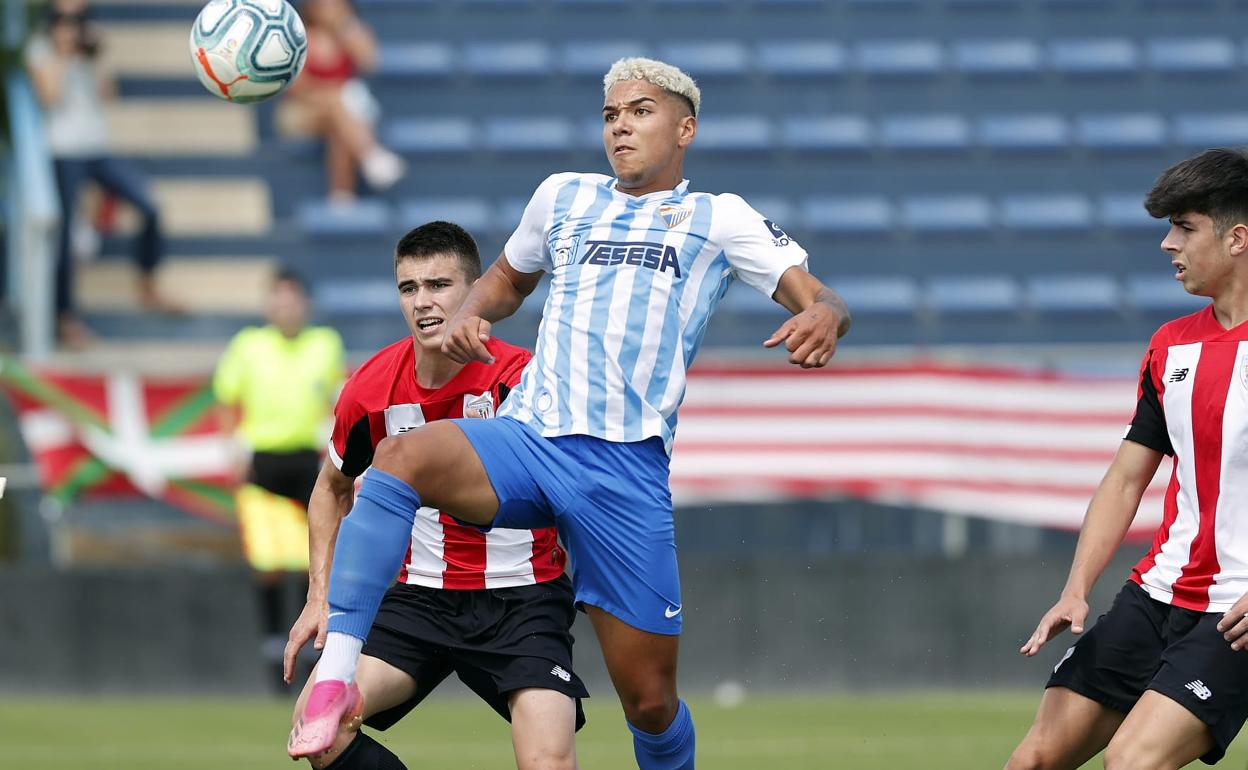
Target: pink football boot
<point x="332" y="705"/>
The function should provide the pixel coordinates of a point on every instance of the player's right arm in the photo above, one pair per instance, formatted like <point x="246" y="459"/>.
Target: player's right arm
<point x="330" y="502"/>
<point x="1110" y="513"/>
<point x="495" y="295"/>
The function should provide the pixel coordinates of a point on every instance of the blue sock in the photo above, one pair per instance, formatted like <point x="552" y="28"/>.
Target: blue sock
<point x="372" y="542"/>
<point x="671" y="749"/>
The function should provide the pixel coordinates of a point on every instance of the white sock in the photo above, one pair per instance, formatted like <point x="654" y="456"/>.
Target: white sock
<point x="338" y="659"/>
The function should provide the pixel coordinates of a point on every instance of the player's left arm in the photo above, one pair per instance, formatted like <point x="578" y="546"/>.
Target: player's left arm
<point x="820" y="318"/>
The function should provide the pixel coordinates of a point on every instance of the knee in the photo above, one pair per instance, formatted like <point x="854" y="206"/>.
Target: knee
<point x="1123" y="755"/>
<point x="651" y="712"/>
<point x="394" y="455"/>
<point x="1031" y="756"/>
<point x="547" y="759"/>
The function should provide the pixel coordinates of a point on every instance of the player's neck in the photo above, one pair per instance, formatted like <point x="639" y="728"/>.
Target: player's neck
<point x="1231" y="308"/>
<point x="433" y="370"/>
<point x="664" y="184"/>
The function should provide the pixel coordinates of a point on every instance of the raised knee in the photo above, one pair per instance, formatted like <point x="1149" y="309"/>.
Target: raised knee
<point x="395" y="455"/>
<point x="547" y="760"/>
<point x="1030" y="756"/>
<point x="1122" y="755"/>
<point x="652" y="713"/>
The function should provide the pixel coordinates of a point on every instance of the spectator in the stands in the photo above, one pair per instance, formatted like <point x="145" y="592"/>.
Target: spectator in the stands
<point x="329" y="100"/>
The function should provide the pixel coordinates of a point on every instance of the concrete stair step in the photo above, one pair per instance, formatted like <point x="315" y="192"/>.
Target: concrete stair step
<point x="207" y="207"/>
<point x="193" y="126"/>
<point x="231" y="286"/>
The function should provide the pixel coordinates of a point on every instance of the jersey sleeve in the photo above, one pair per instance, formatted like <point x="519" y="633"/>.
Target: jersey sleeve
<point x="758" y="249"/>
<point x="1148" y="426"/>
<point x="526" y="248"/>
<point x="227" y="380"/>
<point x="351" y="442"/>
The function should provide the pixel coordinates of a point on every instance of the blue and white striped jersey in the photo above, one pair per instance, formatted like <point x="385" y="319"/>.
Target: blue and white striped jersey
<point x="633" y="282"/>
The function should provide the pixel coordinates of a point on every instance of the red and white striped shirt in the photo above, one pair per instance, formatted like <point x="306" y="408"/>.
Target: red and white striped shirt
<point x="1194" y="404"/>
<point x="383" y="399"/>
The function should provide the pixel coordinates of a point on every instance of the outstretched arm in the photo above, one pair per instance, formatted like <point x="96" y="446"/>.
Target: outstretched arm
<point x="1110" y="513"/>
<point x="331" y="501"/>
<point x="495" y="295"/>
<point x="819" y="319"/>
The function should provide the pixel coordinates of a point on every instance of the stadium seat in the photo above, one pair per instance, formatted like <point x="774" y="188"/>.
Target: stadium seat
<point x="435" y="135"/>
<point x="1208" y="55"/>
<point x="883" y="4"/>
<point x="1211" y="129"/>
<point x="589" y="133"/>
<point x="1125" y="211"/>
<point x="1083" y="294"/>
<point x="1123" y="131"/>
<point x="1097" y="56"/>
<point x="1025" y="132"/>
<point x="604" y="4"/>
<point x="509" y="211"/>
<point x="878" y="294"/>
<point x="997" y="57"/>
<point x="826" y="133"/>
<point x="943" y="131"/>
<point x="1046" y="212"/>
<point x="778" y="210"/>
<point x="742" y="298"/>
<point x="734" y="133"/>
<point x="410" y="60"/>
<point x="363" y="217"/>
<point x="593" y="59"/>
<point x="475" y="215"/>
<point x="981" y="4"/>
<point x="708" y="58"/>
<point x="793" y="58"/>
<point x="526" y="134"/>
<point x="972" y="294"/>
<point x="354" y="296"/>
<point x="1159" y="292"/>
<point x="858" y="214"/>
<point x="946" y="213"/>
<point x="906" y="58"/>
<point x="530" y="58"/>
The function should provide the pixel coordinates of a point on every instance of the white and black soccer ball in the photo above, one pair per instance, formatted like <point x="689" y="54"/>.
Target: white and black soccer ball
<point x="248" y="50"/>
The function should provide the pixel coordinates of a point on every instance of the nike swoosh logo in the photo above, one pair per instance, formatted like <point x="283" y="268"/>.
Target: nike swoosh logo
<point x="336" y="614"/>
<point x="671" y="613"/>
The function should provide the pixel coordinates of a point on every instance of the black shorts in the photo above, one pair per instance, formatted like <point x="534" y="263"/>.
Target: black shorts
<point x="1143" y="644"/>
<point x="495" y="640"/>
<point x="289" y="474"/>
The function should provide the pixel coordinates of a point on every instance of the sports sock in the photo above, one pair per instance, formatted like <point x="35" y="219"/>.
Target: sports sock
<point x="338" y="659"/>
<point x="364" y="753"/>
<point x="371" y="544"/>
<point x="671" y="749"/>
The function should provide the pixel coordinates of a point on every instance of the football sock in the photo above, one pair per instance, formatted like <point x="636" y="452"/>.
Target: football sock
<point x="364" y="753"/>
<point x="338" y="659"/>
<point x="372" y="542"/>
<point x="671" y="749"/>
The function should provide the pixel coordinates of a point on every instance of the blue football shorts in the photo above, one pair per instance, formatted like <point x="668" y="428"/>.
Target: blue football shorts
<point x="611" y="504"/>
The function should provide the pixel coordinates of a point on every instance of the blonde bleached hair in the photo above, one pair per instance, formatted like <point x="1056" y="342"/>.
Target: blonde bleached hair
<point x="661" y="74"/>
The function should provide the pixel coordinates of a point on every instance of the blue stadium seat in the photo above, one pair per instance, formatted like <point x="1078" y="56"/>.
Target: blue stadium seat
<point x="778" y="210"/>
<point x="908" y="58"/>
<point x="972" y="294"/>
<point x="734" y="133"/>
<point x="884" y="4"/>
<point x="364" y="217"/>
<point x="407" y="60"/>
<point x="847" y="214"/>
<point x="1160" y="292"/>
<point x="531" y="58"/>
<point x="946" y="213"/>
<point x="354" y="296"/>
<point x="1094" y="56"/>
<point x="526" y="134"/>
<point x="593" y="59"/>
<point x="475" y="215"/>
<point x="605" y="4"/>
<point x="981" y="4"/>
<point x="877" y="294"/>
<point x="1121" y="131"/>
<point x="1046" y="212"/>
<point x="1081" y="294"/>
<point x="1211" y="129"/>
<point x="1185" y="55"/>
<point x="708" y="58"/>
<point x="826" y="133"/>
<point x="509" y="212"/>
<point x="791" y="58"/>
<point x="997" y="57"/>
<point x="745" y="299"/>
<point x="1125" y="211"/>
<point x="589" y="133"/>
<point x="437" y="135"/>
<point x="1026" y="132"/>
<point x="945" y="131"/>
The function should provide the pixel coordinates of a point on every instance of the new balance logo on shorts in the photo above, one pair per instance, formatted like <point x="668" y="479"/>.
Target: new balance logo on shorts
<point x="1199" y="690"/>
<point x="559" y="672"/>
<point x="1069" y="651"/>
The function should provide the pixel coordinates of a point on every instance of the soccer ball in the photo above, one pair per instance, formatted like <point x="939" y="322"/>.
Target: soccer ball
<point x="247" y="50"/>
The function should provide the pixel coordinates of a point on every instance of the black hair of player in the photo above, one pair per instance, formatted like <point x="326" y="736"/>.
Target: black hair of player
<point x="283" y="274"/>
<point x="438" y="238"/>
<point x="1213" y="183"/>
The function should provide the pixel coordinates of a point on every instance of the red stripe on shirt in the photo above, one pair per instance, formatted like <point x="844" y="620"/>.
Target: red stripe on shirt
<point x="463" y="550"/>
<point x="548" y="557"/>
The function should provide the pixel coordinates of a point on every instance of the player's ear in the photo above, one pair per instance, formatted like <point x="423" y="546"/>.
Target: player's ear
<point x="688" y="129"/>
<point x="1237" y="240"/>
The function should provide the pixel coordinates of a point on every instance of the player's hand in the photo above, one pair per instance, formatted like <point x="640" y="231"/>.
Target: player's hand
<point x="1069" y="611"/>
<point x="465" y="340"/>
<point x="1234" y="624"/>
<point x="809" y="336"/>
<point x="313" y="623"/>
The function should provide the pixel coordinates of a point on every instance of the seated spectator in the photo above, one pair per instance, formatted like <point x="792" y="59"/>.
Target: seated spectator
<point x="330" y="101"/>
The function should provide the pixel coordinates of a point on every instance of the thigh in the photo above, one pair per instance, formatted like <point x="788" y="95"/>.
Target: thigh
<point x="1160" y="733"/>
<point x="641" y="664"/>
<point x="543" y="722"/>
<point x="1069" y="729"/>
<point x="382" y="686"/>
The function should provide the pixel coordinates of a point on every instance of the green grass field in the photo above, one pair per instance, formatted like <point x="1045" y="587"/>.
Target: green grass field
<point x="933" y="731"/>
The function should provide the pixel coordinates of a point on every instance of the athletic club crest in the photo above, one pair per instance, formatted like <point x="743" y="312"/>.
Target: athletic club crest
<point x="479" y="406"/>
<point x="673" y="215"/>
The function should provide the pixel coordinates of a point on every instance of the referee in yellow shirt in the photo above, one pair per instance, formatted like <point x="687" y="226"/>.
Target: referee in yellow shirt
<point x="276" y="385"/>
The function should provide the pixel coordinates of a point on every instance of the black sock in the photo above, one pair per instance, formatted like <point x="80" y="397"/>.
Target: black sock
<point x="364" y="753"/>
